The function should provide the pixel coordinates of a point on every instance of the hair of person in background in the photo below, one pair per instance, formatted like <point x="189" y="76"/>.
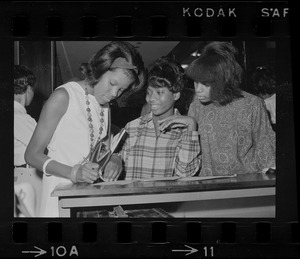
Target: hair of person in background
<point x="264" y="81"/>
<point x="23" y="77"/>
<point x="218" y="68"/>
<point x="102" y="61"/>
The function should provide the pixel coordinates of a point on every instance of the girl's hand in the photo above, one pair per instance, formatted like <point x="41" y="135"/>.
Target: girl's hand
<point x="176" y="121"/>
<point x="87" y="173"/>
<point x="113" y="168"/>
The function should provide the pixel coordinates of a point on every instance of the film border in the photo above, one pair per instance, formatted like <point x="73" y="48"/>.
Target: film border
<point x="283" y="239"/>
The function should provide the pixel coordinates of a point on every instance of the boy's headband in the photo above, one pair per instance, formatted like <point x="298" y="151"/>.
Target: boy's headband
<point x="122" y="63"/>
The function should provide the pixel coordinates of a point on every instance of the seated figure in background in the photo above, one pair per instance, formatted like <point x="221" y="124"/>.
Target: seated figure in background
<point x="162" y="143"/>
<point x="264" y="85"/>
<point x="24" y="126"/>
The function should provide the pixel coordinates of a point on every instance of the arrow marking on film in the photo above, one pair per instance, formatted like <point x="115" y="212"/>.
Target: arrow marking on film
<point x="38" y="253"/>
<point x="191" y="250"/>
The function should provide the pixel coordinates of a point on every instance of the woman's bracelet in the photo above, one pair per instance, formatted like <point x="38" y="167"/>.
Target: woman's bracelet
<point x="74" y="171"/>
<point x="45" y="164"/>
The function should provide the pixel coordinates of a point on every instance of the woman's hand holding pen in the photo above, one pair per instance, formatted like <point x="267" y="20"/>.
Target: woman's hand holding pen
<point x="88" y="172"/>
<point x="176" y="121"/>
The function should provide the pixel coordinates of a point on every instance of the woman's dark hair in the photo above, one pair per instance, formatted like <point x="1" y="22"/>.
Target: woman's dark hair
<point x="167" y="72"/>
<point x="101" y="62"/>
<point x="218" y="68"/>
<point x="186" y="98"/>
<point x="23" y="77"/>
<point x="264" y="80"/>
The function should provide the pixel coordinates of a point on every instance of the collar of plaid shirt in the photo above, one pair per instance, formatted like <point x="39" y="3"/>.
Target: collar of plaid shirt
<point x="148" y="117"/>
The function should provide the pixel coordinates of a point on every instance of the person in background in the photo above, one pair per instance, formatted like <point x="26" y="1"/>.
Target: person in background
<point x="24" y="126"/>
<point x="76" y="116"/>
<point x="162" y="143"/>
<point x="235" y="131"/>
<point x="264" y="85"/>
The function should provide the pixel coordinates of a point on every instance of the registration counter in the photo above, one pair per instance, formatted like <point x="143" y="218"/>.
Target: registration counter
<point x="244" y="195"/>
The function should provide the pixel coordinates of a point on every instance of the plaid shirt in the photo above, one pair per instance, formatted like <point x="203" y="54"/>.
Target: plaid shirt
<point x="176" y="152"/>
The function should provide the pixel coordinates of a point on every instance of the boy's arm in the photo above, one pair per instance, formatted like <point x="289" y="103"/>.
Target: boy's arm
<point x="24" y="127"/>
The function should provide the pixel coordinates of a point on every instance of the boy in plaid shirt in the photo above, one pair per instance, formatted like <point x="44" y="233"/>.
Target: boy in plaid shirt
<point x="162" y="143"/>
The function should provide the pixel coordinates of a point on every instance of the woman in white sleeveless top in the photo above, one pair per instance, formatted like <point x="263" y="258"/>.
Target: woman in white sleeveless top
<point x="76" y="115"/>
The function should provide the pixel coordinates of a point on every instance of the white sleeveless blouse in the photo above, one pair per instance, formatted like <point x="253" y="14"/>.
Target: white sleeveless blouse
<point x="70" y="142"/>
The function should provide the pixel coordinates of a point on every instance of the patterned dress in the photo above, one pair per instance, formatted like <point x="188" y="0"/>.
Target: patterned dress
<point x="235" y="138"/>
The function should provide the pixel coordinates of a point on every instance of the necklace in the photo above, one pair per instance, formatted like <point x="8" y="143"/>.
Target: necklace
<point x="90" y="120"/>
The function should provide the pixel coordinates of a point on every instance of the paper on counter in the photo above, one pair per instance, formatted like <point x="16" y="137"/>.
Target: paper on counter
<point x="121" y="182"/>
<point x="174" y="178"/>
<point x="202" y="178"/>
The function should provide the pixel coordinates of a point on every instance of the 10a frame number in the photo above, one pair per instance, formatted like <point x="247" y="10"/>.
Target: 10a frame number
<point x="63" y="251"/>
